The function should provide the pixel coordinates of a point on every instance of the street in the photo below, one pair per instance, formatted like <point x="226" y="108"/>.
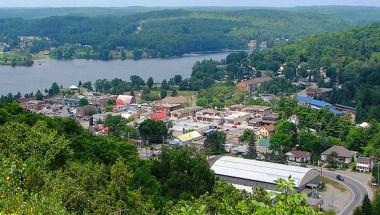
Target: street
<point x="356" y="187"/>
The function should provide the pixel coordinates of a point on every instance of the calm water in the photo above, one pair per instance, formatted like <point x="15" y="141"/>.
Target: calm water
<point x="43" y="73"/>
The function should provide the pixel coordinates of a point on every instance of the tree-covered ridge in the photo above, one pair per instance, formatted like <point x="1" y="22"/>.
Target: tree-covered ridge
<point x="350" y="59"/>
<point x="185" y="30"/>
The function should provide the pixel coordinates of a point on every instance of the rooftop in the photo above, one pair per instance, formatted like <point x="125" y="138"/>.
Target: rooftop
<point x="298" y="153"/>
<point x="340" y="150"/>
<point x="260" y="170"/>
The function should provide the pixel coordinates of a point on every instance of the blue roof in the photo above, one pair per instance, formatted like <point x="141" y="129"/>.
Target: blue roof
<point x="176" y="142"/>
<point x="319" y="104"/>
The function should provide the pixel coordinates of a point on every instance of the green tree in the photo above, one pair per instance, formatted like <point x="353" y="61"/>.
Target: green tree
<point x="39" y="95"/>
<point x="214" y="142"/>
<point x="83" y="102"/>
<point x="153" y="131"/>
<point x="88" y="85"/>
<point x="150" y="83"/>
<point x="366" y="208"/>
<point x="183" y="173"/>
<point x="177" y="79"/>
<point x="137" y="82"/>
<point x="119" y="127"/>
<point x="163" y="93"/>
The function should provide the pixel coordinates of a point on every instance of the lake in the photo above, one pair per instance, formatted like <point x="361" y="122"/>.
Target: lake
<point x="69" y="72"/>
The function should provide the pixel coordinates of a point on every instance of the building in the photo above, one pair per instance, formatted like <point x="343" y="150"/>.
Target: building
<point x="298" y="156"/>
<point x="33" y="105"/>
<point x="253" y="84"/>
<point x="162" y="116"/>
<point x="185" y="139"/>
<point x="317" y="92"/>
<point x="70" y="102"/>
<point x="220" y="117"/>
<point x="317" y="104"/>
<point x="86" y="110"/>
<point x="166" y="107"/>
<point x="101" y="117"/>
<point x="364" y="164"/>
<point x="255" y="173"/>
<point x="294" y="119"/>
<point x="262" y="148"/>
<point x="343" y="155"/>
<point x="252" y="44"/>
<point x="174" y="100"/>
<point x="266" y="131"/>
<point x="257" y="110"/>
<point x="100" y="101"/>
<point x="125" y="100"/>
<point x="185" y="112"/>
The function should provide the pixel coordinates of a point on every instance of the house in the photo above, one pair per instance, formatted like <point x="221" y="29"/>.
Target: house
<point x="294" y="119"/>
<point x="253" y="84"/>
<point x="364" y="164"/>
<point x="262" y="148"/>
<point x="343" y="155"/>
<point x="266" y="131"/>
<point x="298" y="156"/>
<point x="240" y="150"/>
<point x="317" y="104"/>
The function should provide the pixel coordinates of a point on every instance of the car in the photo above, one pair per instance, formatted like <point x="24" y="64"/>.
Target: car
<point x="340" y="178"/>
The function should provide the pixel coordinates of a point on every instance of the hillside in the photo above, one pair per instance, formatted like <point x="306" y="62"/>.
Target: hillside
<point x="355" y="14"/>
<point x="185" y="31"/>
<point x="351" y="59"/>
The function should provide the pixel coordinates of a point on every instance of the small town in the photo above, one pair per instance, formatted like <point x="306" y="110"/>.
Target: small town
<point x="244" y="154"/>
<point x="192" y="107"/>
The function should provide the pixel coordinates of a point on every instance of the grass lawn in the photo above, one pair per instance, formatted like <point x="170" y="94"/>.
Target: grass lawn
<point x="334" y="183"/>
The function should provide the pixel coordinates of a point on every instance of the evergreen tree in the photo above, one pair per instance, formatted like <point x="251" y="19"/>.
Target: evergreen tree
<point x="366" y="206"/>
<point x="150" y="82"/>
<point x="357" y="211"/>
<point x="39" y="95"/>
<point x="376" y="205"/>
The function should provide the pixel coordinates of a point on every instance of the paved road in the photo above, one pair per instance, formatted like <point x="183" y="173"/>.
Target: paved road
<point x="356" y="188"/>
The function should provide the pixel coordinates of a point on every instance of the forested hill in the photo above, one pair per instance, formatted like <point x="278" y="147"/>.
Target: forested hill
<point x="351" y="59"/>
<point x="356" y="14"/>
<point x="172" y="32"/>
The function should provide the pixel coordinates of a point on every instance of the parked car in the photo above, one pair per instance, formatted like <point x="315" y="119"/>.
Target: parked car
<point x="340" y="178"/>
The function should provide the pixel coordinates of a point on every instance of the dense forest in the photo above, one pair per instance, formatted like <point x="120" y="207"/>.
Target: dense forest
<point x="185" y="31"/>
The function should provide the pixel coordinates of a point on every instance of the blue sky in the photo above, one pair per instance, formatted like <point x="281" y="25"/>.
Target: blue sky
<point x="176" y="3"/>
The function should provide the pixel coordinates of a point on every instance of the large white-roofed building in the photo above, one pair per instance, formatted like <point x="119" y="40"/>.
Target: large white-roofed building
<point x="255" y="173"/>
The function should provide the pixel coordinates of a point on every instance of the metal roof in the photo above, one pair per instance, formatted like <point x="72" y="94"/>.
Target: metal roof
<point x="259" y="170"/>
<point x="189" y="136"/>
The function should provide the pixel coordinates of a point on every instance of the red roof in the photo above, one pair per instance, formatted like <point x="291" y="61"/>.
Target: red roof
<point x="158" y="116"/>
<point x="299" y="154"/>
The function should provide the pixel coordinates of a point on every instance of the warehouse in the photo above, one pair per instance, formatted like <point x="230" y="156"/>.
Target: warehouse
<point x="255" y="173"/>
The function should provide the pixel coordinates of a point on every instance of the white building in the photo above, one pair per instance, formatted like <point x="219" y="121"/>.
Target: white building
<point x="255" y="173"/>
<point x="364" y="164"/>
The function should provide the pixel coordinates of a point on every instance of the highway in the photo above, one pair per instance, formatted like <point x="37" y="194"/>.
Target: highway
<point x="356" y="188"/>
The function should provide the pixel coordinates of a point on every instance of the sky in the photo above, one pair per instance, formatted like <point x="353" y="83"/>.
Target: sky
<point x="181" y="3"/>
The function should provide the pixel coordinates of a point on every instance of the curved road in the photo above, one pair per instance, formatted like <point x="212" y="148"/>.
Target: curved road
<point x="357" y="189"/>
